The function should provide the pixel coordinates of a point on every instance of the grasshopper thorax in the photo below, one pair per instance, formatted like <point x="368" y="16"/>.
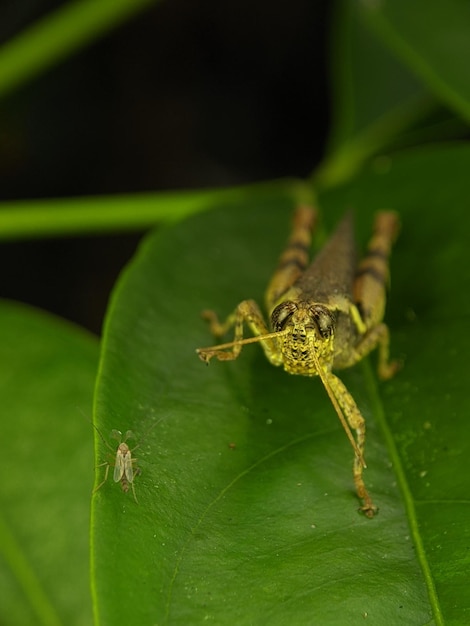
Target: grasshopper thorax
<point x="308" y="335"/>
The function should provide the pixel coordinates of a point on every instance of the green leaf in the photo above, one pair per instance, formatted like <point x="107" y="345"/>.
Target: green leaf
<point x="47" y="371"/>
<point x="432" y="38"/>
<point x="246" y="510"/>
<point x="392" y="64"/>
<point x="375" y="96"/>
<point x="367" y="93"/>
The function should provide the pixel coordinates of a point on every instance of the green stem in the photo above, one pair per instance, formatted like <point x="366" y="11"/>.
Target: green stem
<point x="76" y="216"/>
<point x="58" y="35"/>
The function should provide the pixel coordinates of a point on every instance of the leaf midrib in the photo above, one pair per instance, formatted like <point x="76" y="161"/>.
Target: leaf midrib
<point x="406" y="492"/>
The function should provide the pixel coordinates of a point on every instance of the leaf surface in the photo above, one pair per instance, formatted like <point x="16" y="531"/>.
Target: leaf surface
<point x="246" y="507"/>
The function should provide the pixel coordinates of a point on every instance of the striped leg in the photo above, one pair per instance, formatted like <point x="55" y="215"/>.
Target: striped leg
<point x="295" y="257"/>
<point x="372" y="274"/>
<point x="370" y="285"/>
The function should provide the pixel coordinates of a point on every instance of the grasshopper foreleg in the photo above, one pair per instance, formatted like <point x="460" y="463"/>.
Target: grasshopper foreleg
<point x="246" y="312"/>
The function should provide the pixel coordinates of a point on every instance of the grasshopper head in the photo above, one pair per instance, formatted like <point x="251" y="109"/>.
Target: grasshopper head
<point x="310" y="329"/>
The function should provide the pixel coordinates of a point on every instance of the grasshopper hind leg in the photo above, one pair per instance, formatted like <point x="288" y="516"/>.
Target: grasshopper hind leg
<point x="372" y="278"/>
<point x="295" y="257"/>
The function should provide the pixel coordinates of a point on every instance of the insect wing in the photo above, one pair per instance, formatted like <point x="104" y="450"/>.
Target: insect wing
<point x="120" y="464"/>
<point x="128" y="469"/>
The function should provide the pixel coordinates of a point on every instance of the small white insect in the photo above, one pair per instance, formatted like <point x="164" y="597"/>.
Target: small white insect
<point x="125" y="465"/>
<point x="125" y="468"/>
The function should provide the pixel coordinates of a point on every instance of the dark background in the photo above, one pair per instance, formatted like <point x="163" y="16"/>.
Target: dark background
<point x="187" y="94"/>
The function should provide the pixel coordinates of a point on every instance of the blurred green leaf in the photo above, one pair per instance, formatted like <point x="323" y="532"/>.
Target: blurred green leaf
<point x="375" y="97"/>
<point x="53" y="38"/>
<point x="246" y="508"/>
<point x="47" y="371"/>
<point x="393" y="65"/>
<point x="432" y="38"/>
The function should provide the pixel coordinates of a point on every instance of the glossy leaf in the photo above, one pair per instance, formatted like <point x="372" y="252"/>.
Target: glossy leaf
<point x="246" y="508"/>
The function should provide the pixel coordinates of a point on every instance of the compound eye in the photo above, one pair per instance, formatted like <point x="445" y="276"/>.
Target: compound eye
<point x="324" y="320"/>
<point x="281" y="314"/>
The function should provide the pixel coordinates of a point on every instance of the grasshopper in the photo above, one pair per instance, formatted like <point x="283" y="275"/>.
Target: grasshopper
<point x="324" y="316"/>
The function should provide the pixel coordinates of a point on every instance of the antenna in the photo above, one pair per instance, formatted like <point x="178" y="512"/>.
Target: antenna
<point x="239" y="342"/>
